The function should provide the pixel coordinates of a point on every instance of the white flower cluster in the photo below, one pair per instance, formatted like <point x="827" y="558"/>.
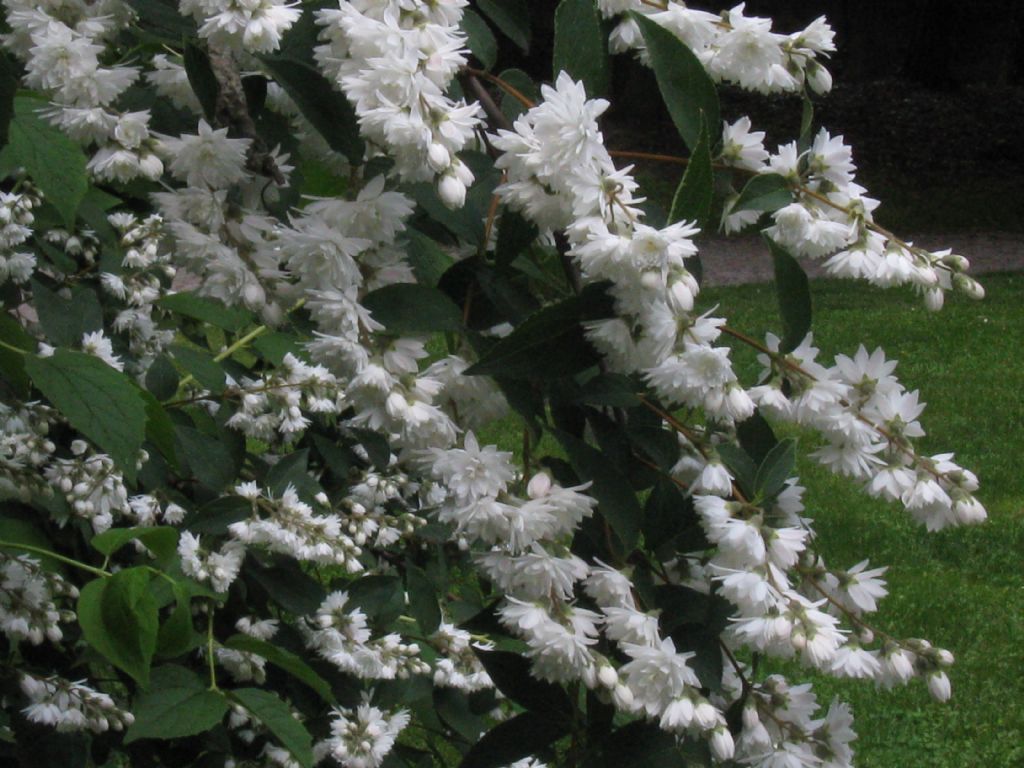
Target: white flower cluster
<point x="342" y="636"/>
<point x="69" y="706"/>
<point x="290" y="526"/>
<point x="733" y="47"/>
<point x="271" y="407"/>
<point x="145" y="268"/>
<point x="361" y="737"/>
<point x="61" y="45"/>
<point x="91" y="484"/>
<point x="394" y="60"/>
<point x="28" y="595"/>
<point x="245" y="666"/>
<point x="219" y="567"/>
<point x="457" y="665"/>
<point x="378" y="508"/>
<point x="25" y="446"/>
<point x="870" y="422"/>
<point x="561" y="176"/>
<point x="16" y="219"/>
<point x="831" y="217"/>
<point x="253" y="26"/>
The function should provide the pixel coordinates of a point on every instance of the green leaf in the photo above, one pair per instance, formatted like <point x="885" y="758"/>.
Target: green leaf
<point x="177" y="634"/>
<point x="293" y="470"/>
<point x="207" y="310"/>
<point x="512" y="107"/>
<point x="640" y="744"/>
<point x="177" y="704"/>
<point x="119" y="618"/>
<point x="616" y="500"/>
<point x="776" y="468"/>
<point x="376" y="445"/>
<point x="55" y="162"/>
<point x="201" y="78"/>
<point x="510" y="16"/>
<point x="289" y="587"/>
<point x="100" y="402"/>
<point x="210" y="460"/>
<point x="692" y="201"/>
<point x="525" y="734"/>
<point x="159" y="428"/>
<point x="8" y="90"/>
<point x="276" y="716"/>
<point x="479" y="38"/>
<point x="512" y="675"/>
<point x="273" y="346"/>
<point x="163" y="16"/>
<point x="215" y="516"/>
<point x="161" y="540"/>
<point x="515" y="235"/>
<point x="740" y="465"/>
<point x="18" y="528"/>
<point x="286" y="660"/>
<point x="201" y="366"/>
<point x="65" y="321"/>
<point x="423" y="594"/>
<point x="611" y="389"/>
<point x="428" y="261"/>
<point x="764" y="192"/>
<point x="548" y="344"/>
<point x="162" y="378"/>
<point x="581" y="48"/>
<point x="406" y="308"/>
<point x="794" y="294"/>
<point x="325" y="108"/>
<point x="685" y="86"/>
<point x="381" y="597"/>
<point x="12" y="365"/>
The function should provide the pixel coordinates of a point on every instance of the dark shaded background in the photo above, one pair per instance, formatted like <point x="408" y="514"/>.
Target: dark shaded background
<point x="930" y="93"/>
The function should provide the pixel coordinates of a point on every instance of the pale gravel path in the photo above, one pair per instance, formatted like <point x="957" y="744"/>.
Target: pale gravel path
<point x="739" y="260"/>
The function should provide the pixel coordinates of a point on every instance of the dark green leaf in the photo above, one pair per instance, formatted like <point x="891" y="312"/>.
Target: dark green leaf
<point x="289" y="587"/>
<point x="65" y="321"/>
<point x="201" y="366"/>
<point x="337" y="458"/>
<point x="210" y="460"/>
<point x="207" y="310"/>
<point x="159" y="428"/>
<point x="325" y="108"/>
<point x="479" y="38"/>
<point x="525" y="734"/>
<point x="510" y="16"/>
<point x="616" y="500"/>
<point x="18" y="526"/>
<point x="8" y="89"/>
<point x="406" y="308"/>
<point x="286" y="660"/>
<point x="794" y="294"/>
<point x="100" y="402"/>
<point x="685" y="86"/>
<point x="512" y="107"/>
<point x="756" y="436"/>
<point x="177" y="704"/>
<point x="276" y="716"/>
<point x="740" y="465"/>
<point x="428" y="261"/>
<point x="641" y="744"/>
<point x="423" y="595"/>
<point x="162" y="16"/>
<point x="548" y="344"/>
<point x="515" y="235"/>
<point x="162" y="378"/>
<point x="119" y="618"/>
<point x="55" y="162"/>
<point x="162" y="540"/>
<point x="692" y="201"/>
<point x="764" y="192"/>
<point x="776" y="468"/>
<point x="375" y="444"/>
<point x="275" y="345"/>
<point x="177" y="634"/>
<point x="609" y="389"/>
<point x="512" y="675"/>
<point x="12" y="365"/>
<point x="381" y="597"/>
<point x="215" y="516"/>
<point x="581" y="48"/>
<point x="293" y="470"/>
<point x="201" y="78"/>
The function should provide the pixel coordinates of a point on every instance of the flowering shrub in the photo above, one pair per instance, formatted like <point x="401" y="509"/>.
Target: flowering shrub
<point x="270" y="270"/>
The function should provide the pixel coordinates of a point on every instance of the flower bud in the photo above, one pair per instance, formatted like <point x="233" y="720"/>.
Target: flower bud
<point x="939" y="687"/>
<point x="452" y="191"/>
<point x="539" y="485"/>
<point x="722" y="746"/>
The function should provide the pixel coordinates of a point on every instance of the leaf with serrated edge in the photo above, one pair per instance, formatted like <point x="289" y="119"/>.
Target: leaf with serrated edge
<point x="177" y="704"/>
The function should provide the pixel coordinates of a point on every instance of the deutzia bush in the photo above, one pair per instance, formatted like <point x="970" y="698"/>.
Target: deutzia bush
<point x="271" y="271"/>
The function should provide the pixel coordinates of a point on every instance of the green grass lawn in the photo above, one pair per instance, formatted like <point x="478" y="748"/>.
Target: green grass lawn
<point x="963" y="589"/>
